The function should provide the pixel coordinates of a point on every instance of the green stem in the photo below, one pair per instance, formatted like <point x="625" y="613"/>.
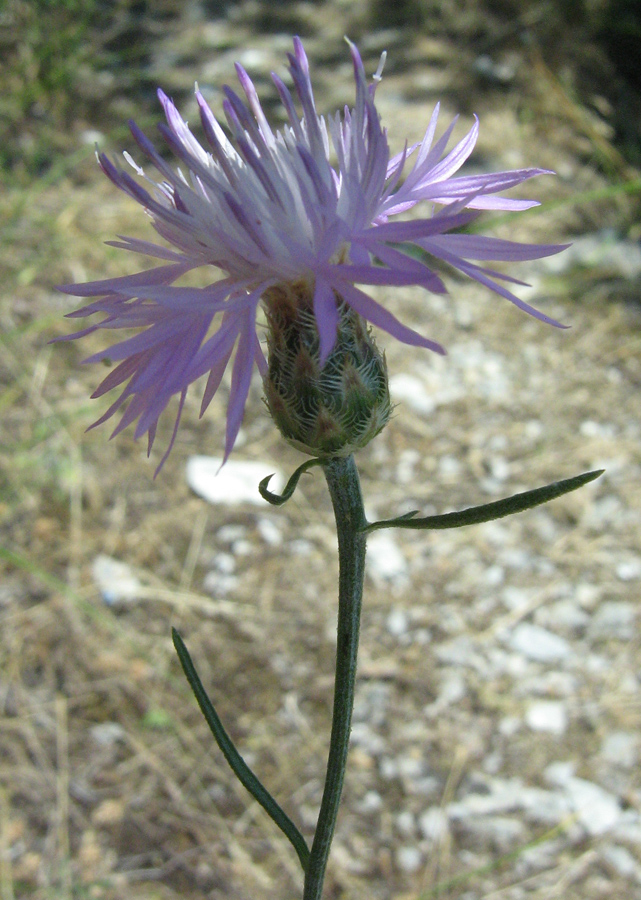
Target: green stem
<point x="345" y="491"/>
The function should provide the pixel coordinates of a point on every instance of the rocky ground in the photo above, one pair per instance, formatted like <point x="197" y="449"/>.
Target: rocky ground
<point x="495" y="751"/>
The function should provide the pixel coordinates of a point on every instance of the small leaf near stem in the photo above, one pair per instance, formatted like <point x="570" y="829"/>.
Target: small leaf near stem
<point x="290" y="487"/>
<point x="475" y="515"/>
<point x="239" y="767"/>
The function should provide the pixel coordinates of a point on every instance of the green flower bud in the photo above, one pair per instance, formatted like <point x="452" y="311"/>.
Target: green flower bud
<point x="328" y="410"/>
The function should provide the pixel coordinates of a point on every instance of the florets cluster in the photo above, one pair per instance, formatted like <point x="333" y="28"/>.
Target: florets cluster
<point x="311" y="204"/>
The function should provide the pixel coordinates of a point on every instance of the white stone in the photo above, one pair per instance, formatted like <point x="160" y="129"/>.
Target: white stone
<point x="503" y="797"/>
<point x="628" y="828"/>
<point x="409" y="767"/>
<point x="621" y="860"/>
<point x="371" y="803"/>
<point x="412" y="391"/>
<point x="518" y="558"/>
<point x="500" y="468"/>
<point x="544" y="807"/>
<point x="270" y="532"/>
<point x="388" y="768"/>
<point x="91" y="137"/>
<point x="301" y="547"/>
<point x="539" y="644"/>
<point x="433" y="823"/>
<point x="560" y="773"/>
<point x="224" y="563"/>
<point x="547" y="715"/>
<point x="563" y="614"/>
<point x="242" y="548"/>
<point x="362" y="736"/>
<point x="596" y="809"/>
<point x="587" y="595"/>
<point x="230" y="533"/>
<point x="405" y="469"/>
<point x="461" y="651"/>
<point x="385" y="562"/>
<point x="406" y="824"/>
<point x="107" y="733"/>
<point x="494" y="576"/>
<point x="253" y="58"/>
<point x="509" y="725"/>
<point x="409" y="859"/>
<point x="516" y="598"/>
<point x="397" y="622"/>
<point x="629" y="570"/>
<point x="620" y="748"/>
<point x="613" y="619"/>
<point x="550" y="684"/>
<point x="502" y="831"/>
<point x="217" y="584"/>
<point x="116" y="580"/>
<point x="234" y="483"/>
<point x="452" y="689"/>
<point x="449" y="468"/>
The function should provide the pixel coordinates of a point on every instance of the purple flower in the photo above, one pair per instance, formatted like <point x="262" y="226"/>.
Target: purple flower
<point x="269" y="209"/>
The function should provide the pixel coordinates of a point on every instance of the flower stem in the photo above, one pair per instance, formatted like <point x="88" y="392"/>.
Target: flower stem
<point x="345" y="491"/>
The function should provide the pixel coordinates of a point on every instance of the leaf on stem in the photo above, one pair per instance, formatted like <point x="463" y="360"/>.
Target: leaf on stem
<point x="290" y="487"/>
<point x="488" y="511"/>
<point x="239" y="767"/>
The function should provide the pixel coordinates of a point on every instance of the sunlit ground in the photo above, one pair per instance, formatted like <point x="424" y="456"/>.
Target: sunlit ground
<point x="109" y="784"/>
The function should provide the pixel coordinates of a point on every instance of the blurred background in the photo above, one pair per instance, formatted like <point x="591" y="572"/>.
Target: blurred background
<point x="496" y="742"/>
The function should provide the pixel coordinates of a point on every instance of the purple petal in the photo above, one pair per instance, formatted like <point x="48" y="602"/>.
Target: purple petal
<point x="240" y="381"/>
<point x="146" y="248"/>
<point x="456" y="157"/>
<point x="215" y="376"/>
<point x="211" y="299"/>
<point x="327" y="316"/>
<point x="172" y="440"/>
<point x="428" y="137"/>
<point x="124" y="370"/>
<point x="160" y="275"/>
<point x="414" y="229"/>
<point x="481" y="276"/>
<point x="149" y="150"/>
<point x="453" y="188"/>
<point x="379" y="274"/>
<point x="158" y="333"/>
<point x="376" y="314"/>
<point x="398" y="260"/>
<point x="472" y="246"/>
<point x="252" y="96"/>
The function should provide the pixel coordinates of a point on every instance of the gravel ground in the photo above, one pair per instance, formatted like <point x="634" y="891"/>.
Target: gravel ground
<point x="495" y="751"/>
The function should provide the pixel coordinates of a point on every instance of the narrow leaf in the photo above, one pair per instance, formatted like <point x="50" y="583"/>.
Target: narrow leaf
<point x="489" y="511"/>
<point x="239" y="766"/>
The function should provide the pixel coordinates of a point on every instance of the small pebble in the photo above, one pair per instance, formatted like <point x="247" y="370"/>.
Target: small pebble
<point x="385" y="562"/>
<point x="116" y="581"/>
<point x="397" y="622"/>
<point x="406" y="824"/>
<point x="539" y="644"/>
<point x="433" y="823"/>
<point x="621" y="749"/>
<point x="550" y="716"/>
<point x="613" y="619"/>
<point x="629" y="570"/>
<point x="408" y="859"/>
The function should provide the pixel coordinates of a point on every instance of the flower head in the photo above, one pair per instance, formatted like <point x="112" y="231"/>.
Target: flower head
<point x="307" y="210"/>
